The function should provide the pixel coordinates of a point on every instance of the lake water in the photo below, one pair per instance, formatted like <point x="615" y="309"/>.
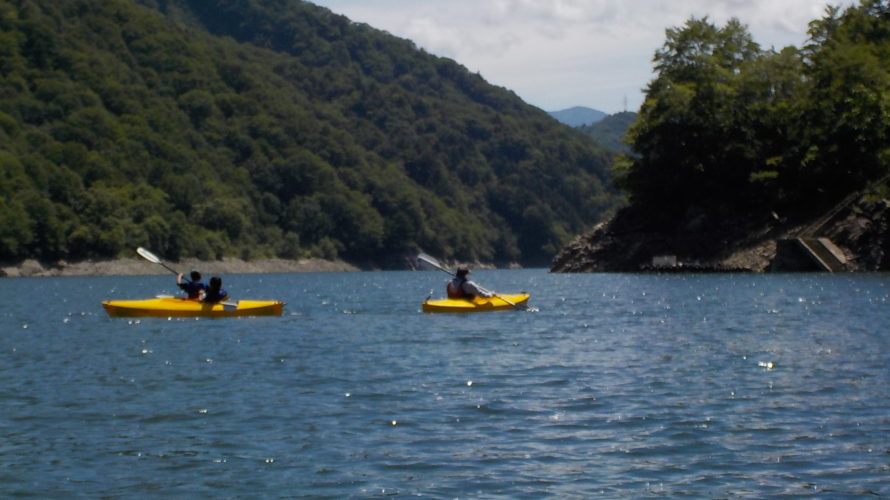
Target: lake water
<point x="612" y="386"/>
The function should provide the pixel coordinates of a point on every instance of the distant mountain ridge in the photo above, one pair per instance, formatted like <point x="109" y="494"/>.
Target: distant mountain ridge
<point x="610" y="131"/>
<point x="607" y="130"/>
<point x="578" y="115"/>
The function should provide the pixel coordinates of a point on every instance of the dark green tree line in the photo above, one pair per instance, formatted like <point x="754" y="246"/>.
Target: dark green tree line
<point x="729" y="126"/>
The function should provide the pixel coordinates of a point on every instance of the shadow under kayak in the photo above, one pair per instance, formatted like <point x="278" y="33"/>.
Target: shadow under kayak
<point x="478" y="304"/>
<point x="165" y="307"/>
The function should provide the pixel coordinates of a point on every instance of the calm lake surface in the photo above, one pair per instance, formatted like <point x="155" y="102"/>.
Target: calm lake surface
<point x="612" y="386"/>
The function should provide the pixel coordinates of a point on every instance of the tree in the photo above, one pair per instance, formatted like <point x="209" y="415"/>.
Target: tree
<point x="688" y="143"/>
<point x="848" y="104"/>
<point x="729" y="128"/>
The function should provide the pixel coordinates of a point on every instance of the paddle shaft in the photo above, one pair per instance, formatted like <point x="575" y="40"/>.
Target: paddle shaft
<point x="515" y="306"/>
<point x="174" y="271"/>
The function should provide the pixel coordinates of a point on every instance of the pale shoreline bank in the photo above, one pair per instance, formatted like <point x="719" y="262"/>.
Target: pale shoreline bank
<point x="136" y="267"/>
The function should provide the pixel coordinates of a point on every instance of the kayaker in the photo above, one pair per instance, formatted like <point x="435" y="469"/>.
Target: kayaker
<point x="462" y="288"/>
<point x="214" y="293"/>
<point x="193" y="287"/>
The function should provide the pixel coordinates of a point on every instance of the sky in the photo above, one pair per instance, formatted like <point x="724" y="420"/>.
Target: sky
<point x="556" y="54"/>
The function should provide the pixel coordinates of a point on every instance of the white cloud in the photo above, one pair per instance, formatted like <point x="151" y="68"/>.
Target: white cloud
<point x="561" y="53"/>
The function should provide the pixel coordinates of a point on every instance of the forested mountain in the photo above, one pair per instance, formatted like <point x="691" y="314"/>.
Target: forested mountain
<point x="256" y="128"/>
<point x="610" y="131"/>
<point x="735" y="143"/>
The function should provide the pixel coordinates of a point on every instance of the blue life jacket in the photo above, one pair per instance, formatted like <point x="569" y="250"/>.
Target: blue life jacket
<point x="215" y="296"/>
<point x="193" y="288"/>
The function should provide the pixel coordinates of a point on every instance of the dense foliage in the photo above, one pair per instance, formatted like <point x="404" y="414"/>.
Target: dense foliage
<point x="729" y="127"/>
<point x="257" y="128"/>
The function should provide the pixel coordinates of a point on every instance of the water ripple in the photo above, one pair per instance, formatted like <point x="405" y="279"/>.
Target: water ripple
<point x="616" y="386"/>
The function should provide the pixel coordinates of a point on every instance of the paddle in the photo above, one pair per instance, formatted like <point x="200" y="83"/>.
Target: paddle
<point x="435" y="263"/>
<point x="145" y="254"/>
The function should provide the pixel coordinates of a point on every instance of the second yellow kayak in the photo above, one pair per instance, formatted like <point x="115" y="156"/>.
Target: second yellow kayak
<point x="500" y="302"/>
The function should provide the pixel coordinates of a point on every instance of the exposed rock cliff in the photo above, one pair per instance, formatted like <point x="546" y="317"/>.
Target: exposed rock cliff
<point x="863" y="232"/>
<point x="629" y="242"/>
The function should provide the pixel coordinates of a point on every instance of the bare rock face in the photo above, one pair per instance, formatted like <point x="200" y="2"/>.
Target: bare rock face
<point x="26" y="269"/>
<point x="863" y="232"/>
<point x="708" y="243"/>
<point x="606" y="248"/>
<point x="609" y="247"/>
<point x="630" y="242"/>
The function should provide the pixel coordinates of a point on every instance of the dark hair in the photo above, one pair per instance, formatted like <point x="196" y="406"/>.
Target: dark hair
<point x="195" y="275"/>
<point x="216" y="282"/>
<point x="462" y="271"/>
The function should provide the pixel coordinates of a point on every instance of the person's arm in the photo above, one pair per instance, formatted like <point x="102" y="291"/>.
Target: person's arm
<point x="474" y="289"/>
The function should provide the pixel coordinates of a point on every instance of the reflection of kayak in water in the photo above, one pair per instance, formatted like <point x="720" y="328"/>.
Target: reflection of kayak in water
<point x="164" y="307"/>
<point x="500" y="302"/>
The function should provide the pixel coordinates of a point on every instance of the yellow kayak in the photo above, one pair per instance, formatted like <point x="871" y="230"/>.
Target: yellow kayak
<point x="165" y="307"/>
<point x="500" y="302"/>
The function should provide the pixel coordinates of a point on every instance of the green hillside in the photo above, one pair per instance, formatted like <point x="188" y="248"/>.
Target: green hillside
<point x="269" y="128"/>
<point x="610" y="131"/>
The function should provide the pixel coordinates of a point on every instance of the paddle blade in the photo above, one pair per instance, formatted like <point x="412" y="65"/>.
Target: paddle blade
<point x="145" y="254"/>
<point x="427" y="261"/>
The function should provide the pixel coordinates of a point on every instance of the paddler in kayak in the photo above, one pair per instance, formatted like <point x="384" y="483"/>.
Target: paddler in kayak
<point x="194" y="287"/>
<point x="462" y="288"/>
<point x="214" y="293"/>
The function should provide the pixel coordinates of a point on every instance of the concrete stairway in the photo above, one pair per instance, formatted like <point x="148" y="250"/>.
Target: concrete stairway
<point x="825" y="253"/>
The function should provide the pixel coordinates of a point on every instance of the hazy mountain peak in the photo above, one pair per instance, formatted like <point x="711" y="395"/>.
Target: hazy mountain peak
<point x="578" y="115"/>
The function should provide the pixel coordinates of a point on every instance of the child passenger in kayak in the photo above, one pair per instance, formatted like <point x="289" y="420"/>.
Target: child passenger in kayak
<point x="214" y="293"/>
<point x="462" y="288"/>
<point x="194" y="287"/>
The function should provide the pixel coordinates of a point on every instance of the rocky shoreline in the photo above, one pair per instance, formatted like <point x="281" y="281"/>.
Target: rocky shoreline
<point x="860" y="230"/>
<point x="135" y="267"/>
